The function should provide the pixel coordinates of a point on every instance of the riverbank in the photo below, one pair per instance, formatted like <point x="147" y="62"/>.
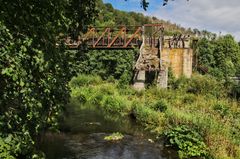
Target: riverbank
<point x="195" y="117"/>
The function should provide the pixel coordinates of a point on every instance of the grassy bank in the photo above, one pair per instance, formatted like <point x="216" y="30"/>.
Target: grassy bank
<point x="194" y="116"/>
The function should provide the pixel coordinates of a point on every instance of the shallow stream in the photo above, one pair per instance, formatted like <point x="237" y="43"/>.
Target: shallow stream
<point x="82" y="137"/>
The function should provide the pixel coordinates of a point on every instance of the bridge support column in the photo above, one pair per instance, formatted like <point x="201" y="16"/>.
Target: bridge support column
<point x="139" y="80"/>
<point x="162" y="80"/>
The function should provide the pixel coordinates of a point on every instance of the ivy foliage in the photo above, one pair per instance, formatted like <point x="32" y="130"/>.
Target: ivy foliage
<point x="34" y="72"/>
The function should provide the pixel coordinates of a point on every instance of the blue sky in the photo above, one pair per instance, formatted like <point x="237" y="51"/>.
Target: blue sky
<point x="134" y="5"/>
<point x="219" y="16"/>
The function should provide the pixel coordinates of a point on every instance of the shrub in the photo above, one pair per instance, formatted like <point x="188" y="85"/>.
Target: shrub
<point x="111" y="79"/>
<point x="14" y="146"/>
<point x="127" y="91"/>
<point x="200" y="84"/>
<point x="160" y="105"/>
<point x="222" y="109"/>
<point x="206" y="85"/>
<point x="171" y="78"/>
<point x="6" y="148"/>
<point x="189" y="99"/>
<point x="188" y="142"/>
<point x="181" y="83"/>
<point x="85" y="80"/>
<point x="124" y="80"/>
<point x="81" y="98"/>
<point x="216" y="72"/>
<point x="107" y="89"/>
<point x="113" y="104"/>
<point x="96" y="99"/>
<point x="153" y="120"/>
<point x="83" y="94"/>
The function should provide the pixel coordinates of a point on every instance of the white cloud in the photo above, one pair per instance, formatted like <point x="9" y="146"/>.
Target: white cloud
<point x="212" y="15"/>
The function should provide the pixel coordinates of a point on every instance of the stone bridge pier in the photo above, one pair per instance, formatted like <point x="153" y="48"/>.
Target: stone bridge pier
<point x="169" y="52"/>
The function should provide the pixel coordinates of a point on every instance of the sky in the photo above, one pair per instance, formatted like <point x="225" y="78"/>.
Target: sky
<point x="218" y="16"/>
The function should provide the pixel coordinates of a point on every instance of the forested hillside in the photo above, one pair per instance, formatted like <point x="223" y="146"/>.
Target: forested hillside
<point x="108" y="16"/>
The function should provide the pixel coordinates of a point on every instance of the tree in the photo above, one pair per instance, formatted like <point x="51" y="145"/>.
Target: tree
<point x="227" y="55"/>
<point x="220" y="56"/>
<point x="34" y="72"/>
<point x="205" y="53"/>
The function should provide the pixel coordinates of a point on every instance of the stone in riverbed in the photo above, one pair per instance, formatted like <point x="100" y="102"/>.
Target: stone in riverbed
<point x="114" y="137"/>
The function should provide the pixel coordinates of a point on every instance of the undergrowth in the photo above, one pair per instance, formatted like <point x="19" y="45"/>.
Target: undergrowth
<point x="194" y="116"/>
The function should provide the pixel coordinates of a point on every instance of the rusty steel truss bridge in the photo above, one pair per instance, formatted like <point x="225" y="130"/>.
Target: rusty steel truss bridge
<point x="126" y="37"/>
<point x="118" y="37"/>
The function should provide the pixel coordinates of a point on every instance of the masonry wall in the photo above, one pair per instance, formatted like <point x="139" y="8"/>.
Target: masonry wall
<point x="179" y="59"/>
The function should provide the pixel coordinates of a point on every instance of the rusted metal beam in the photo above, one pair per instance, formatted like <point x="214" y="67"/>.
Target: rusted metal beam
<point x="106" y="30"/>
<point x="115" y="38"/>
<point x="131" y="38"/>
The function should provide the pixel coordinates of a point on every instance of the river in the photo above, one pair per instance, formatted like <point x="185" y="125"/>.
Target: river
<point x="82" y="137"/>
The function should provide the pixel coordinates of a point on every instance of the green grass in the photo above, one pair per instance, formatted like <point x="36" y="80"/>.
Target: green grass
<point x="205" y="109"/>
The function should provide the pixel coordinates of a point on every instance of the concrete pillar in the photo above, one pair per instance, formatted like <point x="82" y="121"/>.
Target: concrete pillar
<point x="187" y="62"/>
<point x="162" y="81"/>
<point x="139" y="80"/>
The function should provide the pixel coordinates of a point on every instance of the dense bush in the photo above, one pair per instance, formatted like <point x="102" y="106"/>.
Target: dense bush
<point x="97" y="98"/>
<point x="200" y="84"/>
<point x="160" y="105"/>
<point x="222" y="109"/>
<point x="113" y="104"/>
<point x="153" y="120"/>
<point x="189" y="99"/>
<point x="188" y="142"/>
<point x="109" y="63"/>
<point x="181" y="83"/>
<point x="83" y="80"/>
<point x="34" y="72"/>
<point x="220" y="57"/>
